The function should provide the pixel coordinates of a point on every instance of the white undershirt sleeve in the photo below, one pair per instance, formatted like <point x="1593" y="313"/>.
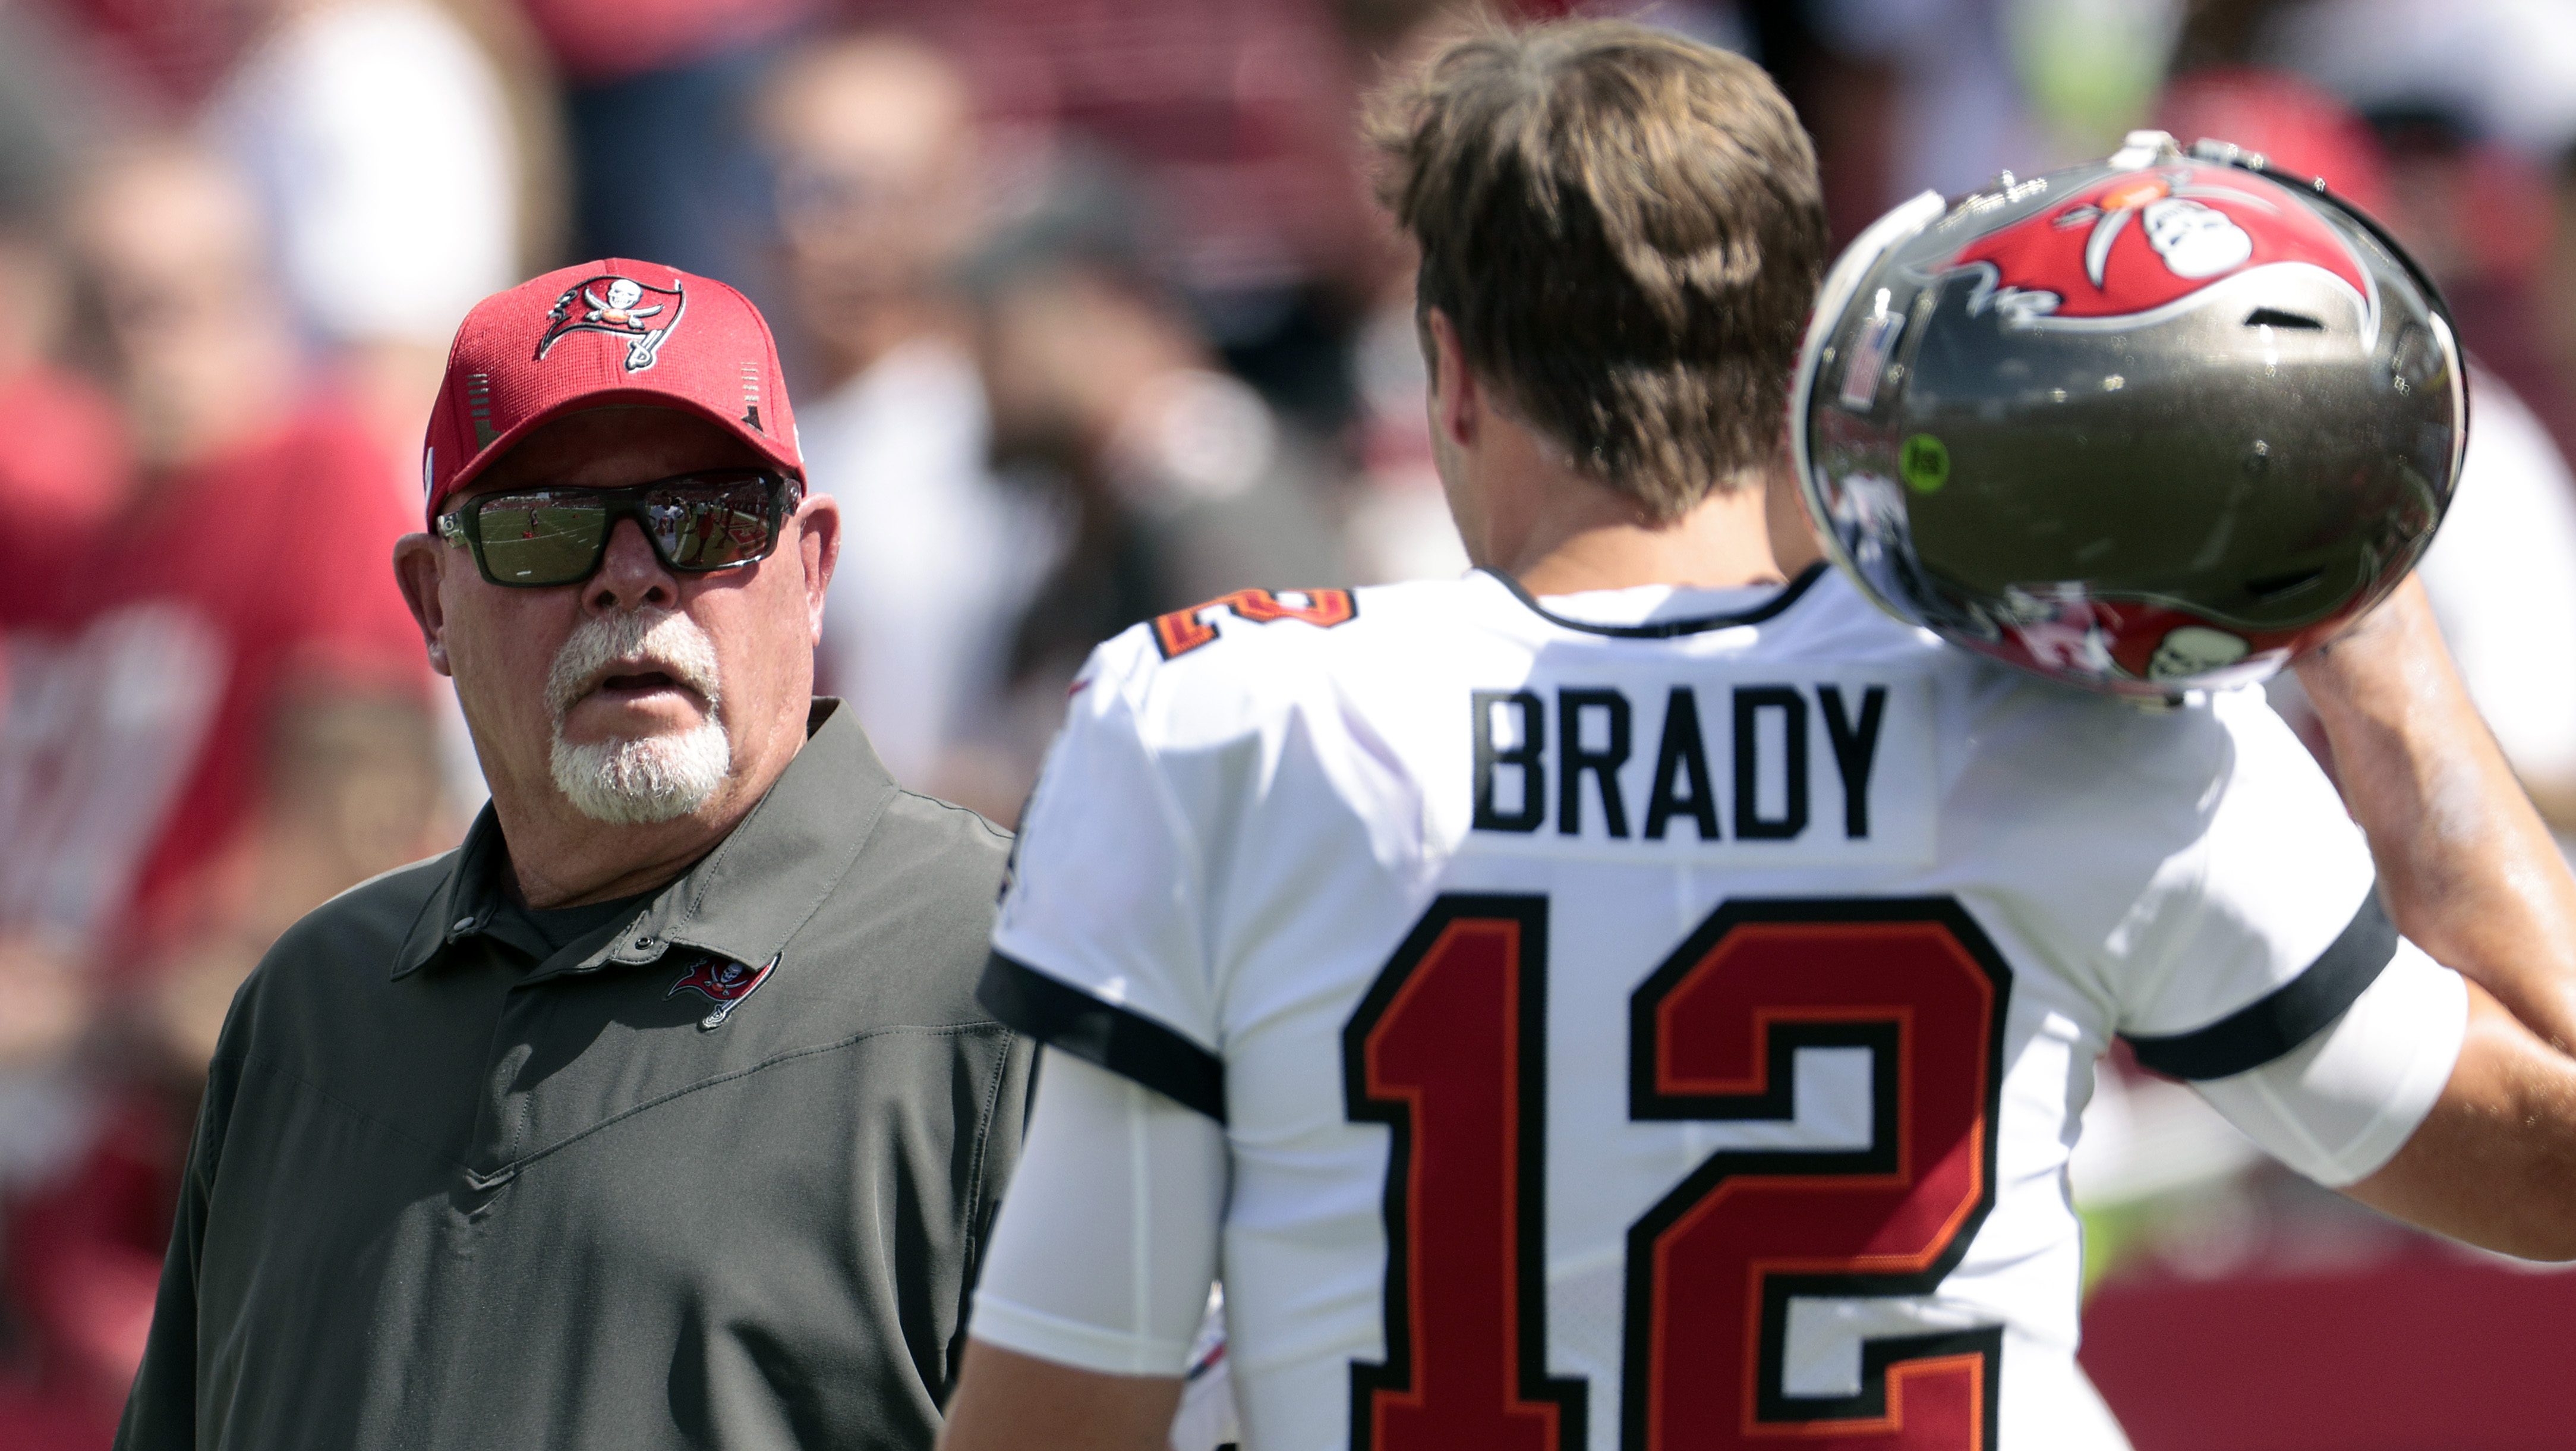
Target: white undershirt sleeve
<point x="1107" y="1240"/>
<point x="2340" y="1105"/>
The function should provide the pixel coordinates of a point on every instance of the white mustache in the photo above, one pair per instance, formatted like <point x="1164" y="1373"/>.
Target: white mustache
<point x="629" y="644"/>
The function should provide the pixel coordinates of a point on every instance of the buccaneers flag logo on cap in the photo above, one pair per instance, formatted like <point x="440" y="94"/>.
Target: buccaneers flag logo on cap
<point x="642" y="314"/>
<point x="2138" y="247"/>
<point x="723" y="982"/>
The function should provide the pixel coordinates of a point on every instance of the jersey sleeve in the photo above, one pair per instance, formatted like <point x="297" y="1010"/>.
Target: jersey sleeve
<point x="1101" y="950"/>
<point x="2340" y="1105"/>
<point x="2253" y="937"/>
<point x="1107" y="1241"/>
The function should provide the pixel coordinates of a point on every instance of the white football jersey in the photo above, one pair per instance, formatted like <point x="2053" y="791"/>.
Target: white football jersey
<point x="1659" y="1018"/>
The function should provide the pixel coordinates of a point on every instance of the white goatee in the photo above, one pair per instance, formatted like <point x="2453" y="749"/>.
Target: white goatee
<point x="639" y="781"/>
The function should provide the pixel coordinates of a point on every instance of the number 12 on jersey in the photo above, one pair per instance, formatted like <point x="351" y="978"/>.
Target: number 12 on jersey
<point x="1449" y="1049"/>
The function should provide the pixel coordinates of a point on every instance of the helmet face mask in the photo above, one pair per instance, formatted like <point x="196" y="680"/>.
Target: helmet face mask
<point x="2146" y="426"/>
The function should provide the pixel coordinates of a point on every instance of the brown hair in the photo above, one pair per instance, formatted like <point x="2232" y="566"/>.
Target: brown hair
<point x="1626" y="230"/>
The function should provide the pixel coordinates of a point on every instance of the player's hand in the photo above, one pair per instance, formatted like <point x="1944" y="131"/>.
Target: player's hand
<point x="2397" y="645"/>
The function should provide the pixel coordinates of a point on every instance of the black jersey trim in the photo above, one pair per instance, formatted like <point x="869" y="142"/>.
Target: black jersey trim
<point x="1121" y="1040"/>
<point x="2290" y="1015"/>
<point x="1788" y="594"/>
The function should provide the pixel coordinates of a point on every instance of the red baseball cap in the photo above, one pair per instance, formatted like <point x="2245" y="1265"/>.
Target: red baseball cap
<point x="604" y="333"/>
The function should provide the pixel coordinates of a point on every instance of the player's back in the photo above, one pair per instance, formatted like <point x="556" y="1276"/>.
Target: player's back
<point x="1657" y="1017"/>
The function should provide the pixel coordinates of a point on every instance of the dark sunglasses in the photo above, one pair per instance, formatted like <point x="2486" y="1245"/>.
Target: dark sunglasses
<point x="698" y="523"/>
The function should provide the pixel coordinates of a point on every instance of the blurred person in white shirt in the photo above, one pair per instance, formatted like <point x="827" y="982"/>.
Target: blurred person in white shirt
<point x="390" y="144"/>
<point x="878" y="156"/>
<point x="379" y="137"/>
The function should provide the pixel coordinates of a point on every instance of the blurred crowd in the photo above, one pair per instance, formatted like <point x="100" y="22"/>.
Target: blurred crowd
<point x="1089" y="315"/>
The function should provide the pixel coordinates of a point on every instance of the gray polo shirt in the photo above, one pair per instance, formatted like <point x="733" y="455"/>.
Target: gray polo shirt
<point x="713" y="1175"/>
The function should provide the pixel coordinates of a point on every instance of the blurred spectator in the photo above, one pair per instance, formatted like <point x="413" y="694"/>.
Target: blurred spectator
<point x="218" y="720"/>
<point x="1978" y="86"/>
<point x="379" y="140"/>
<point x="1235" y="115"/>
<point x="246" y="568"/>
<point x="60" y="457"/>
<point x="163" y="57"/>
<point x="656" y="103"/>
<point x="1956" y="110"/>
<point x="59" y="451"/>
<point x="2506" y="68"/>
<point x="85" y="1243"/>
<point x="1176" y="482"/>
<point x="878" y="167"/>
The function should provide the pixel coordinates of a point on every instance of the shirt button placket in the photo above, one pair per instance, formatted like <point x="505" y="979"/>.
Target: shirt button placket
<point x="501" y="1118"/>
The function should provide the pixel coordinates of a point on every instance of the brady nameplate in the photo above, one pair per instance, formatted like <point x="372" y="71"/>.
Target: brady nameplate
<point x="1776" y="768"/>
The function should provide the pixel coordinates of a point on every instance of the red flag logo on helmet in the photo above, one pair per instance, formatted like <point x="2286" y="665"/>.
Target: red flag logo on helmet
<point x="723" y="982"/>
<point x="640" y="313"/>
<point x="2140" y="246"/>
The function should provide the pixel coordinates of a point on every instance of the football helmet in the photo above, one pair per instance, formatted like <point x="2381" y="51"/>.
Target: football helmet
<point x="2149" y="425"/>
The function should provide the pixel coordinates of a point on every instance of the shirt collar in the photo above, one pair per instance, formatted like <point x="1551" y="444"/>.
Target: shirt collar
<point x="743" y="900"/>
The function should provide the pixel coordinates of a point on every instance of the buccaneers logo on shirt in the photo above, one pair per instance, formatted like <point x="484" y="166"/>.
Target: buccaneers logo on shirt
<point x="2138" y="247"/>
<point x="723" y="982"/>
<point x="642" y="314"/>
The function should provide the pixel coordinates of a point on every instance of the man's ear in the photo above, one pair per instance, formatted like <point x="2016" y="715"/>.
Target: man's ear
<point x="1457" y="406"/>
<point x="418" y="561"/>
<point x="818" y="542"/>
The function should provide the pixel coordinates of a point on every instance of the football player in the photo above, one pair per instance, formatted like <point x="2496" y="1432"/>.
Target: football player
<point x="1642" y="995"/>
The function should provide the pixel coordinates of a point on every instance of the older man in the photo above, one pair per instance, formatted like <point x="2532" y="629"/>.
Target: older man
<point x="659" y="1114"/>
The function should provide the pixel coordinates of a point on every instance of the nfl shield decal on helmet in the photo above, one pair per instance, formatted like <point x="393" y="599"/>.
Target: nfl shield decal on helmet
<point x="2140" y="246"/>
<point x="638" y="312"/>
<point x="723" y="982"/>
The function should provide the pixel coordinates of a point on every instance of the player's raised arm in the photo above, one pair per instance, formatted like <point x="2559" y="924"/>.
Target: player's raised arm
<point x="2471" y="875"/>
<point x="2360" y="1062"/>
<point x="2469" y="871"/>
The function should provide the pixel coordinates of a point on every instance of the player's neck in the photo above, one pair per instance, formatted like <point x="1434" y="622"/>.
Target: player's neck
<point x="1572" y="535"/>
